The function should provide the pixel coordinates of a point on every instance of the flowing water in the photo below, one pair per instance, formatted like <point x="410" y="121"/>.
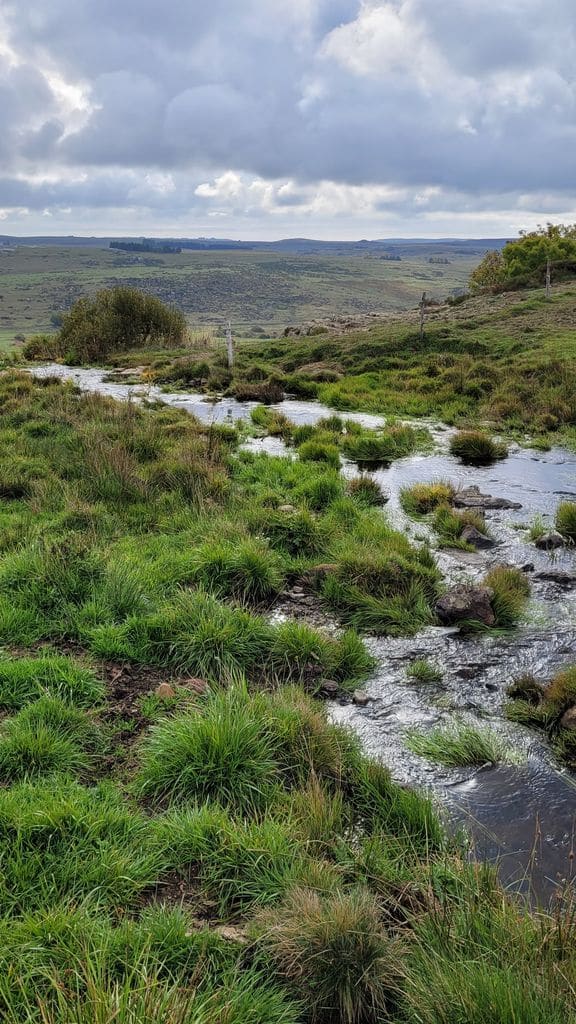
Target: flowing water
<point x="522" y="815"/>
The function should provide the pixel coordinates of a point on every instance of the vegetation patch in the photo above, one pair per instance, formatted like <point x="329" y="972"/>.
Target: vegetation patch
<point x="462" y="745"/>
<point x="475" y="448"/>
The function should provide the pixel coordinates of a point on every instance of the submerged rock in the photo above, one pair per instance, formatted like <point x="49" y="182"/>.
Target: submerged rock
<point x="550" y="541"/>
<point x="478" y="540"/>
<point x="472" y="497"/>
<point x="465" y="602"/>
<point x="568" y="720"/>
<point x="563" y="579"/>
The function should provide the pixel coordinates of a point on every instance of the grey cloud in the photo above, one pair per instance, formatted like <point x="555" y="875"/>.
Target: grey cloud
<point x="197" y="88"/>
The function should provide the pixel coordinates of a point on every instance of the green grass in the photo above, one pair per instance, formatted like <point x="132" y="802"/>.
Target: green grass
<point x="565" y="519"/>
<point x="475" y="448"/>
<point x="421" y="499"/>
<point x="511" y="590"/>
<point x="461" y="745"/>
<point x="230" y="855"/>
<point x="424" y="671"/>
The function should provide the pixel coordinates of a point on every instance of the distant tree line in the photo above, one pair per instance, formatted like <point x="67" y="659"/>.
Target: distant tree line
<point x="146" y="245"/>
<point x="524" y="261"/>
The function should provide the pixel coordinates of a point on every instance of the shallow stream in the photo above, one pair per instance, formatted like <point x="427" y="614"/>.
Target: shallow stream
<point x="523" y="815"/>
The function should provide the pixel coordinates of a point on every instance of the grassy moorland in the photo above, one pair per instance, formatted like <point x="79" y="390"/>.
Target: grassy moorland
<point x="184" y="837"/>
<point x="507" y="360"/>
<point x="260" y="291"/>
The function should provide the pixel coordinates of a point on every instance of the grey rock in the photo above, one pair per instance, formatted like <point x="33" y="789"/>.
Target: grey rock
<point x="472" y="497"/>
<point x="568" y="720"/>
<point x="550" y="541"/>
<point x="466" y="603"/>
<point x="477" y="539"/>
<point x="563" y="579"/>
<point x="360" y="698"/>
<point x="329" y="688"/>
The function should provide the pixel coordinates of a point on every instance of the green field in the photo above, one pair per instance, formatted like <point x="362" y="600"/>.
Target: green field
<point x="267" y="290"/>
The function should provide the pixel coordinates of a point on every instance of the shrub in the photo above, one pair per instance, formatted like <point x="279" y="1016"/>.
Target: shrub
<point x="565" y="519"/>
<point x="420" y="499"/>
<point x="116" y="319"/>
<point x="511" y="590"/>
<point x="334" y="951"/>
<point x="462" y="745"/>
<point x="476" y="448"/>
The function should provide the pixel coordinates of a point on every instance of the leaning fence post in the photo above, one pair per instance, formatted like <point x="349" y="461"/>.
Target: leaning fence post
<point x="548" y="279"/>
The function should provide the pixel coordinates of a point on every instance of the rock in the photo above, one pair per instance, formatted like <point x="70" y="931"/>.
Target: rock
<point x="492" y="687"/>
<point x="472" y="497"/>
<point x="165" y="690"/>
<point x="198" y="685"/>
<point x="477" y="539"/>
<point x="568" y="720"/>
<point x="361" y="698"/>
<point x="466" y="602"/>
<point x="329" y="688"/>
<point x="527" y="567"/>
<point x="563" y="579"/>
<point x="287" y="509"/>
<point x="550" y="541"/>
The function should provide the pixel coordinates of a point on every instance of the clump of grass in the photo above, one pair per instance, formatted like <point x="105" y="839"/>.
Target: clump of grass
<point x="247" y="571"/>
<point x="476" y="448"/>
<point x="449" y="524"/>
<point x="565" y="519"/>
<point x="511" y="590"/>
<point x="366" y="490"/>
<point x="462" y="745"/>
<point x="421" y="499"/>
<point x="334" y="951"/>
<point x="537" y="528"/>
<point x="46" y="737"/>
<point x="316" y="451"/>
<point x="381" y="447"/>
<point x="221" y="753"/>
<point x="423" y="671"/>
<point x="23" y="680"/>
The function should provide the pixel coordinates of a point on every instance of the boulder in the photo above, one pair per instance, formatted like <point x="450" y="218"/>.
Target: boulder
<point x="563" y="579"/>
<point x="329" y="688"/>
<point x="568" y="720"/>
<point x="198" y="685"/>
<point x="360" y="698"/>
<point x="165" y="690"/>
<point x="477" y="539"/>
<point x="550" y="541"/>
<point x="465" y="602"/>
<point x="472" y="497"/>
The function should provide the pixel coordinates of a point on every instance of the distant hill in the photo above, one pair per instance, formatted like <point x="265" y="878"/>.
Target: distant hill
<point x="394" y="246"/>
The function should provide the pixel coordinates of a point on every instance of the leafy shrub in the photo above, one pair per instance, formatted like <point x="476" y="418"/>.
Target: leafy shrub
<point x="116" y="319"/>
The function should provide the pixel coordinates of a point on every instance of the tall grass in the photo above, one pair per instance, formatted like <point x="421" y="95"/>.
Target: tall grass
<point x="462" y="745"/>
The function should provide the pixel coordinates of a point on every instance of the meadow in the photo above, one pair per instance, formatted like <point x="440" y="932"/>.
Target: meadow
<point x="261" y="292"/>
<point x="184" y="835"/>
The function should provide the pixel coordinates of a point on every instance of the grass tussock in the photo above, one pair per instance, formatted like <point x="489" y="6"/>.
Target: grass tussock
<point x="462" y="745"/>
<point x="565" y="520"/>
<point x="421" y="499"/>
<point x="510" y="592"/>
<point x="476" y="448"/>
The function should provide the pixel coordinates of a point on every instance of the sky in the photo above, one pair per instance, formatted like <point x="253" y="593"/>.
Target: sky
<point x="334" y="119"/>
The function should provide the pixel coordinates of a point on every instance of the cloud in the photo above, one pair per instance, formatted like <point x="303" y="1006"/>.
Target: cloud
<point x="256" y="112"/>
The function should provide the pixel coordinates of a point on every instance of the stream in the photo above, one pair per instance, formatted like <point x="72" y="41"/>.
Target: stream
<point x="523" y="816"/>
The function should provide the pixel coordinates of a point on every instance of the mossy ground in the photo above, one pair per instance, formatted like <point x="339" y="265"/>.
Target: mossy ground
<point x="220" y="851"/>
